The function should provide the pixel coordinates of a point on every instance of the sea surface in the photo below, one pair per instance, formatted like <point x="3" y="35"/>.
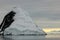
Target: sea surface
<point x="42" y="37"/>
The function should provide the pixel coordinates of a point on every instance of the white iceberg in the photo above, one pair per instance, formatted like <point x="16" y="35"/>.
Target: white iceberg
<point x="23" y="24"/>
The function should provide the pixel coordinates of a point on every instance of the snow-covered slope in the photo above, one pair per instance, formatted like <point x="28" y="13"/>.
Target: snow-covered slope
<point x="23" y="24"/>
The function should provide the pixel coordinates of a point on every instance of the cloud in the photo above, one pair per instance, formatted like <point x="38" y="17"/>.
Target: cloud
<point x="37" y="8"/>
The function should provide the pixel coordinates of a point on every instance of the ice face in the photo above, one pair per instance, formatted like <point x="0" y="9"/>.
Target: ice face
<point x="23" y="24"/>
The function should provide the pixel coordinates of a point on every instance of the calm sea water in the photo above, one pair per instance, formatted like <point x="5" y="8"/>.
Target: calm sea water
<point x="47" y="37"/>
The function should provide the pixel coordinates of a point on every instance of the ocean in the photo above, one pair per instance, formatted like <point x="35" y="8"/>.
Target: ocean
<point x="44" y="37"/>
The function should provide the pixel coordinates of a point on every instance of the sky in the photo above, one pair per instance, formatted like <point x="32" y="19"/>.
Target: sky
<point x="45" y="13"/>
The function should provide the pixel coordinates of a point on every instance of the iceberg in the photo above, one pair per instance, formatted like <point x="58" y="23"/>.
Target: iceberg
<point x="23" y="24"/>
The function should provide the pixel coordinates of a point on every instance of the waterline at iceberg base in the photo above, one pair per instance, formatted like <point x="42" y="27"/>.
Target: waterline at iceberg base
<point x="16" y="32"/>
<point x="23" y="24"/>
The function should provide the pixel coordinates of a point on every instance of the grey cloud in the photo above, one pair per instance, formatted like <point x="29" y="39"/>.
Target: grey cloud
<point x="38" y="8"/>
<point x="46" y="15"/>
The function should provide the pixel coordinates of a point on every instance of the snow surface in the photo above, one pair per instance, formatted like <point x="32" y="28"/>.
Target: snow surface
<point x="23" y="24"/>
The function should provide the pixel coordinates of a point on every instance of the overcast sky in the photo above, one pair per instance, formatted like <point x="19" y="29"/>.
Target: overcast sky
<point x="45" y="13"/>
